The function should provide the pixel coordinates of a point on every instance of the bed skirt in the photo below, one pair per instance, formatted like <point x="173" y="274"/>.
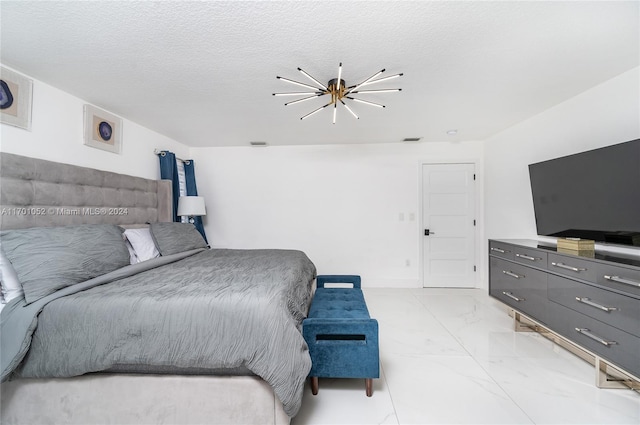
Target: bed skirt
<point x="141" y="399"/>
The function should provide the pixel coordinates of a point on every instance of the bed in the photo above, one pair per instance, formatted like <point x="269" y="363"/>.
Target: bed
<point x="196" y="335"/>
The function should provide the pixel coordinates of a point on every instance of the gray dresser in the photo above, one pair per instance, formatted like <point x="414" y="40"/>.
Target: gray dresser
<point x="592" y="302"/>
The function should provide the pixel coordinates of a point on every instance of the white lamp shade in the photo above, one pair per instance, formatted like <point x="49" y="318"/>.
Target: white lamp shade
<point x="191" y="206"/>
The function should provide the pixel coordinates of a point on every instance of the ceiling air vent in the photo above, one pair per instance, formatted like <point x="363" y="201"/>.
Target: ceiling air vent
<point x="258" y="143"/>
<point x="412" y="139"/>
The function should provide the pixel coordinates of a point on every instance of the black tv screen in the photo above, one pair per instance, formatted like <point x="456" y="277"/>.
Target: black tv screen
<point x="590" y="195"/>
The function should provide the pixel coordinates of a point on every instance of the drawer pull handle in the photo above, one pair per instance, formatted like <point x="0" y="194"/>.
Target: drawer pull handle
<point x="588" y="301"/>
<point x="622" y="280"/>
<point x="512" y="274"/>
<point x="588" y="334"/>
<point x="566" y="267"/>
<point x="528" y="257"/>
<point x="501" y="251"/>
<point x="513" y="297"/>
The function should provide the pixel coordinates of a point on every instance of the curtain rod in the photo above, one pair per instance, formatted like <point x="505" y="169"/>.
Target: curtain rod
<point x="159" y="152"/>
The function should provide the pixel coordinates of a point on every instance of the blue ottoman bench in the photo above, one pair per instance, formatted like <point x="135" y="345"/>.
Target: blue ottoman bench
<point x="342" y="337"/>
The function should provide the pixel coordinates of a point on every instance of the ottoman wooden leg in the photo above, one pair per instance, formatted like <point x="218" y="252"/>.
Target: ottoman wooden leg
<point x="369" y="385"/>
<point x="314" y="385"/>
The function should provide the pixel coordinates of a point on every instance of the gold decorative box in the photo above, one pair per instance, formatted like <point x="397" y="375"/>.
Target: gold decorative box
<point x="577" y="246"/>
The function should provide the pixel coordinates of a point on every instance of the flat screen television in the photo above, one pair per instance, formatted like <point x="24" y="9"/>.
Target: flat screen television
<point x="590" y="195"/>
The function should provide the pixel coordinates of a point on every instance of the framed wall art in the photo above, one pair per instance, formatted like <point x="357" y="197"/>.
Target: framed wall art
<point x="16" y="92"/>
<point x="102" y="130"/>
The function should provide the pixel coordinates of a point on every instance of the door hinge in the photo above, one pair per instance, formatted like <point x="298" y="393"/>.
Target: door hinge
<point x="474" y="176"/>
<point x="474" y="222"/>
<point x="474" y="268"/>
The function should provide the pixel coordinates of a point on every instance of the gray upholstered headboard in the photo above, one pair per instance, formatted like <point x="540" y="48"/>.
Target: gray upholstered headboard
<point x="37" y="193"/>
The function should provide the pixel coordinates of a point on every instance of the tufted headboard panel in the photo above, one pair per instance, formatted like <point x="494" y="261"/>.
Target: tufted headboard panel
<point x="38" y="193"/>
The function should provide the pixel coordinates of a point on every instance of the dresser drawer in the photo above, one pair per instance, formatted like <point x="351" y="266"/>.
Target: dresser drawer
<point x="617" y="346"/>
<point x="619" y="278"/>
<point x="572" y="266"/>
<point x="520" y="287"/>
<point x="501" y="250"/>
<point x="530" y="257"/>
<point x="609" y="307"/>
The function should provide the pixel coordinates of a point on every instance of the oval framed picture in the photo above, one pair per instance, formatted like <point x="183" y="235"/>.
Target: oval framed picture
<point x="102" y="129"/>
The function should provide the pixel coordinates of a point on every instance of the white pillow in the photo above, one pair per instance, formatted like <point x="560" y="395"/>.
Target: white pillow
<point x="142" y="243"/>
<point x="133" y="258"/>
<point x="11" y="287"/>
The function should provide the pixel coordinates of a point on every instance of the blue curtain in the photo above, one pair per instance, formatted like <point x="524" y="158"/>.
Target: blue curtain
<point x="192" y="190"/>
<point x="169" y="171"/>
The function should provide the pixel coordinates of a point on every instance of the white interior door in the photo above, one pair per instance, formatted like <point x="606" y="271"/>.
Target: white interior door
<point x="448" y="219"/>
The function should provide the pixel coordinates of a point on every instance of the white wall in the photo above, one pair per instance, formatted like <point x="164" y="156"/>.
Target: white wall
<point x="341" y="204"/>
<point x="57" y="135"/>
<point x="604" y="115"/>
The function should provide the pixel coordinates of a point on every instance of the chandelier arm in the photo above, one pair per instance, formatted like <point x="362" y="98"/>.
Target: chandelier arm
<point x="365" y="81"/>
<point x="304" y="98"/>
<point x="375" y="91"/>
<point x="349" y="109"/>
<point x="309" y="76"/>
<point x="390" y="77"/>
<point x="379" y="80"/>
<point x="335" y="109"/>
<point x="299" y="93"/>
<point x="288" y="80"/>
<point x="314" y="111"/>
<point x="366" y="102"/>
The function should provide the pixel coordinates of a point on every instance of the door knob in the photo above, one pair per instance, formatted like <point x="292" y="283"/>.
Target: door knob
<point x="427" y="232"/>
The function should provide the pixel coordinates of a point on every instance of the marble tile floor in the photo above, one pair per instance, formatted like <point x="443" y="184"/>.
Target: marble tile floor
<point x="450" y="356"/>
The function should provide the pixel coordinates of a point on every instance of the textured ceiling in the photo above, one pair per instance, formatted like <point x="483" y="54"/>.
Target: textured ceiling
<point x="202" y="73"/>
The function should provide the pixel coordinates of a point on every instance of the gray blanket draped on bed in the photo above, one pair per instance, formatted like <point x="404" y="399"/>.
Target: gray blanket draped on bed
<point x="211" y="310"/>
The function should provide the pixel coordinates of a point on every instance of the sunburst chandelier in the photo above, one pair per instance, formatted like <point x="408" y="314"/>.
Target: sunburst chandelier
<point x="338" y="90"/>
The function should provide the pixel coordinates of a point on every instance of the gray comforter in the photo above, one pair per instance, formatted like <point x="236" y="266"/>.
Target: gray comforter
<point x="214" y="309"/>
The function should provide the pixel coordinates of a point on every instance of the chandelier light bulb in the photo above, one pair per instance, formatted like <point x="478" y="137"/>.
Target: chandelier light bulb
<point x="349" y="109"/>
<point x="312" y="79"/>
<point x="298" y="93"/>
<point x="379" y="80"/>
<point x="316" y="111"/>
<point x="366" y="102"/>
<point x="297" y="83"/>
<point x="375" y="91"/>
<point x="367" y="80"/>
<point x="301" y="100"/>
